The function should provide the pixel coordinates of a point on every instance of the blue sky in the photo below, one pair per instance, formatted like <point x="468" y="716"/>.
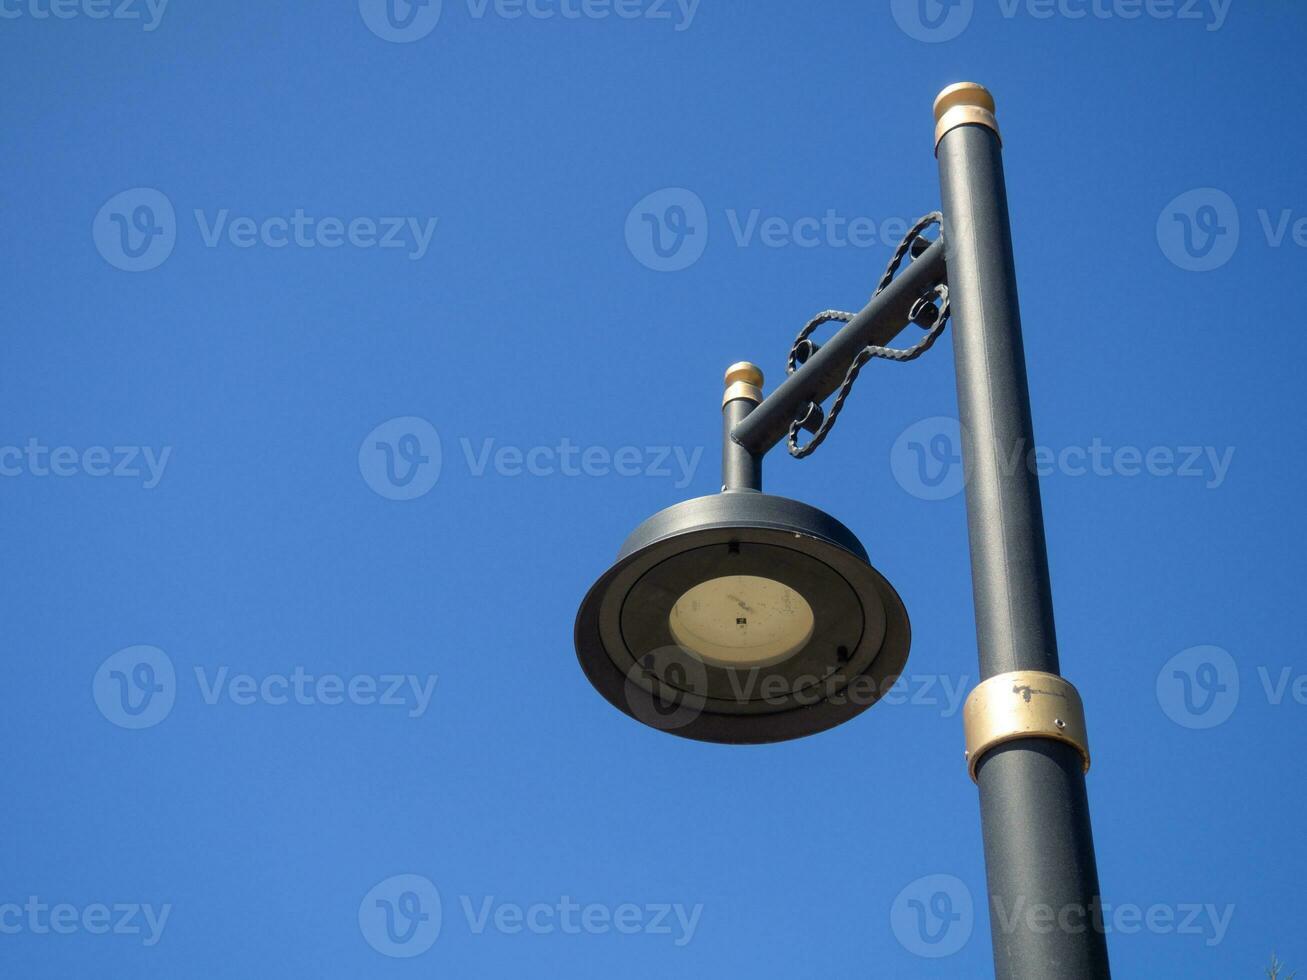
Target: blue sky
<point x="341" y="359"/>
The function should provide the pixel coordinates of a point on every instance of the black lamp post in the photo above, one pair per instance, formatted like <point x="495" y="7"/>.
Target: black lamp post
<point x="745" y="617"/>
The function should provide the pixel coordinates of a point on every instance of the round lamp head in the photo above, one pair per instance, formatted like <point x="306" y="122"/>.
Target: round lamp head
<point x="742" y="617"/>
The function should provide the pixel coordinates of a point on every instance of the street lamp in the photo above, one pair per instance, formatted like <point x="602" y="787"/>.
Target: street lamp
<point x="742" y="617"/>
<point x="745" y="617"/>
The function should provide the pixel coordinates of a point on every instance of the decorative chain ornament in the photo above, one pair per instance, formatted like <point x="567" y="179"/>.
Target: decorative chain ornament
<point x="925" y="312"/>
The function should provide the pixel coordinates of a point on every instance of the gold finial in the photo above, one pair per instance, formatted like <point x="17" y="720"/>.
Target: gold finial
<point x="745" y="371"/>
<point x="743" y="380"/>
<point x="963" y="103"/>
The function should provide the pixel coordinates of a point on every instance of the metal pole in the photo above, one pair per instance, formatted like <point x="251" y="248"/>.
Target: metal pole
<point x="1039" y="852"/>
<point x="741" y="469"/>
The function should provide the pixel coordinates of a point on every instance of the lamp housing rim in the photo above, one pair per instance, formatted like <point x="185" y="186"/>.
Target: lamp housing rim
<point x="813" y="548"/>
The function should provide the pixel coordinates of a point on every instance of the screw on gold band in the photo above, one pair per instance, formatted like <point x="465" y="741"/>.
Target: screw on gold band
<point x="1023" y="704"/>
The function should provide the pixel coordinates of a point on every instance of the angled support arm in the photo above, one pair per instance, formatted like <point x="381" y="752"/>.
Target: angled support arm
<point x="879" y="322"/>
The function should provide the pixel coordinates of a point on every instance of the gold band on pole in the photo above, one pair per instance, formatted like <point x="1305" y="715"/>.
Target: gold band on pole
<point x="1023" y="704"/>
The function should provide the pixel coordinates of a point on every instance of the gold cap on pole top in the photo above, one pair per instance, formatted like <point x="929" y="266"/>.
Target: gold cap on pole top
<point x="745" y="371"/>
<point x="743" y="380"/>
<point x="961" y="104"/>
